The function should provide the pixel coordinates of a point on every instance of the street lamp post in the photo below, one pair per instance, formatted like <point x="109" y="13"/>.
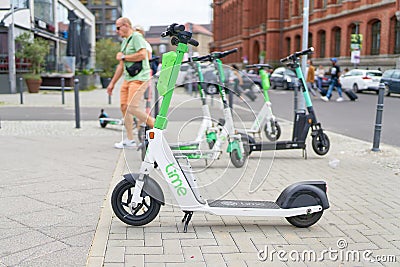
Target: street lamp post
<point x="11" y="53"/>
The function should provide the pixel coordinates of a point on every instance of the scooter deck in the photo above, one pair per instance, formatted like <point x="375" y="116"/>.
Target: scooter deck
<point x="197" y="154"/>
<point x="187" y="145"/>
<point x="279" y="145"/>
<point x="242" y="204"/>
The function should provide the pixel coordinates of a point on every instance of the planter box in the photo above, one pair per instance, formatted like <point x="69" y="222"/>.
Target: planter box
<point x="53" y="81"/>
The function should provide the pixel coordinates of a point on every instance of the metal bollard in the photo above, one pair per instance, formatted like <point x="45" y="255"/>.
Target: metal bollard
<point x="62" y="91"/>
<point x="77" y="111"/>
<point x="378" y="120"/>
<point x="21" y="91"/>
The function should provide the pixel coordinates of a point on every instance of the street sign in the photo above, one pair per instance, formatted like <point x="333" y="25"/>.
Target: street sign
<point x="356" y="41"/>
<point x="355" y="57"/>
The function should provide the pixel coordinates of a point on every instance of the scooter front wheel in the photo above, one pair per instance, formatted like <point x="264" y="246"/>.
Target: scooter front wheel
<point x="304" y="221"/>
<point x="144" y="213"/>
<point x="321" y="144"/>
<point x="239" y="162"/>
<point x="275" y="133"/>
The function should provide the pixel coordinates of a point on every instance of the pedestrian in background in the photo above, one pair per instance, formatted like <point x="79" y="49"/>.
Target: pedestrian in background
<point x="320" y="72"/>
<point x="335" y="74"/>
<point x="310" y="77"/>
<point x="133" y="49"/>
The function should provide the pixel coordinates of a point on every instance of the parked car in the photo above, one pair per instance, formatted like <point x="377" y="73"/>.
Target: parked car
<point x="391" y="79"/>
<point x="283" y="77"/>
<point x="361" y="80"/>
<point x="325" y="81"/>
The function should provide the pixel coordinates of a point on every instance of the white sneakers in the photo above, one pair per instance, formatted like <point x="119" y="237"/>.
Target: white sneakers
<point x="126" y="143"/>
<point x="340" y="99"/>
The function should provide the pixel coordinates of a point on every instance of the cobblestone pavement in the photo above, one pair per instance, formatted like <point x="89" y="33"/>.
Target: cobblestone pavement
<point x="363" y="218"/>
<point x="55" y="185"/>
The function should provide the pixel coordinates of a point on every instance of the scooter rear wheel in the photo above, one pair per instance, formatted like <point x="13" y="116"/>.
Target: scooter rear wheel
<point x="236" y="161"/>
<point x="275" y="134"/>
<point x="321" y="144"/>
<point x="144" y="213"/>
<point x="304" y="221"/>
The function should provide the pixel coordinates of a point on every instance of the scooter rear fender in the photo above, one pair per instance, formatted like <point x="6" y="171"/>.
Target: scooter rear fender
<point x="317" y="189"/>
<point x="151" y="187"/>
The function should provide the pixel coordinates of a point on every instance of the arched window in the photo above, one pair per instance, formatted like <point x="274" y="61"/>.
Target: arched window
<point x="288" y="44"/>
<point x="337" y="32"/>
<point x="310" y="39"/>
<point x="396" y="37"/>
<point x="322" y="43"/>
<point x="375" y="37"/>
<point x="297" y="42"/>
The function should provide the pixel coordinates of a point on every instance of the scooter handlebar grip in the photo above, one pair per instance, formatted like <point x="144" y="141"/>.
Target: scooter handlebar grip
<point x="178" y="28"/>
<point x="193" y="42"/>
<point x="225" y="53"/>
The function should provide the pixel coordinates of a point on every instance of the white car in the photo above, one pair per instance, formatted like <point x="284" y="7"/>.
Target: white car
<point x="361" y="80"/>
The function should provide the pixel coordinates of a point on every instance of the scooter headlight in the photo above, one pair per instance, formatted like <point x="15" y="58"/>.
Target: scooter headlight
<point x="288" y="79"/>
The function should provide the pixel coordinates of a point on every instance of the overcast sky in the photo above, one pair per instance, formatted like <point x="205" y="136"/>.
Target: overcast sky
<point x="164" y="12"/>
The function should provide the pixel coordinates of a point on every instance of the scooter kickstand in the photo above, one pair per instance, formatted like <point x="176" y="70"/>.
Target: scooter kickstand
<point x="304" y="153"/>
<point x="186" y="219"/>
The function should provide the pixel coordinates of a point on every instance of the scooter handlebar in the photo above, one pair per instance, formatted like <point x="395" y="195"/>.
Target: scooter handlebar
<point x="296" y="55"/>
<point x="224" y="54"/>
<point x="176" y="30"/>
<point x="259" y="66"/>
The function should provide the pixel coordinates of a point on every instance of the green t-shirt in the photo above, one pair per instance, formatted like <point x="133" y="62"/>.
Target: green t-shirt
<point x="136" y="42"/>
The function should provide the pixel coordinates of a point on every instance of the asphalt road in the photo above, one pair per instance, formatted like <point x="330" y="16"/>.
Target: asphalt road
<point x="354" y="119"/>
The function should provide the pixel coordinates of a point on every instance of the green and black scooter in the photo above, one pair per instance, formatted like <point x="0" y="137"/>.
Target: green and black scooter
<point x="302" y="121"/>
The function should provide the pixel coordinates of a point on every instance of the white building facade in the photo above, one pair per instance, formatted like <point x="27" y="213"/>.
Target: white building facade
<point x="53" y="20"/>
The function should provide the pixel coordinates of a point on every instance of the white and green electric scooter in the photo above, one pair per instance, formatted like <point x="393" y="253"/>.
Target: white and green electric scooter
<point x="265" y="118"/>
<point x="137" y="199"/>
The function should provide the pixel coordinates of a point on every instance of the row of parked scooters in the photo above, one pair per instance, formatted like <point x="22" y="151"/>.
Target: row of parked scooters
<point x="137" y="199"/>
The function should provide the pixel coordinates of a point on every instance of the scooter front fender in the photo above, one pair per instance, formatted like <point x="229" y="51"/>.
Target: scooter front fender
<point x="151" y="187"/>
<point x="304" y="194"/>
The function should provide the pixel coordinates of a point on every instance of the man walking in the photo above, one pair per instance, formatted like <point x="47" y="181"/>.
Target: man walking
<point x="335" y="74"/>
<point x="133" y="49"/>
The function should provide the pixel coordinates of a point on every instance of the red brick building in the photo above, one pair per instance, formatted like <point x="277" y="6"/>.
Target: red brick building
<point x="274" y="28"/>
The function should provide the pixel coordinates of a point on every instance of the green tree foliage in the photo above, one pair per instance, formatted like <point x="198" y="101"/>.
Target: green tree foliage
<point x="33" y="49"/>
<point x="106" y="50"/>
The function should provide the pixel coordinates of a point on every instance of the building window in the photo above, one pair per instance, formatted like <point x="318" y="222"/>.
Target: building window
<point x="44" y="10"/>
<point x="375" y="38"/>
<point x="324" y="3"/>
<point x="288" y="48"/>
<point x="322" y="40"/>
<point x="297" y="43"/>
<point x="110" y="29"/>
<point x="397" y="37"/>
<point x="21" y="3"/>
<point x="337" y="37"/>
<point x="98" y="14"/>
<point x="310" y="39"/>
<point x="111" y="2"/>
<point x="97" y="2"/>
<point x="111" y="14"/>
<point x="62" y="21"/>
<point x="99" y="30"/>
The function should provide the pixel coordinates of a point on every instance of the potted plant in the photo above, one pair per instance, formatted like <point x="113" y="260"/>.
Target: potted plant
<point x="35" y="50"/>
<point x="86" y="79"/>
<point x="106" y="50"/>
